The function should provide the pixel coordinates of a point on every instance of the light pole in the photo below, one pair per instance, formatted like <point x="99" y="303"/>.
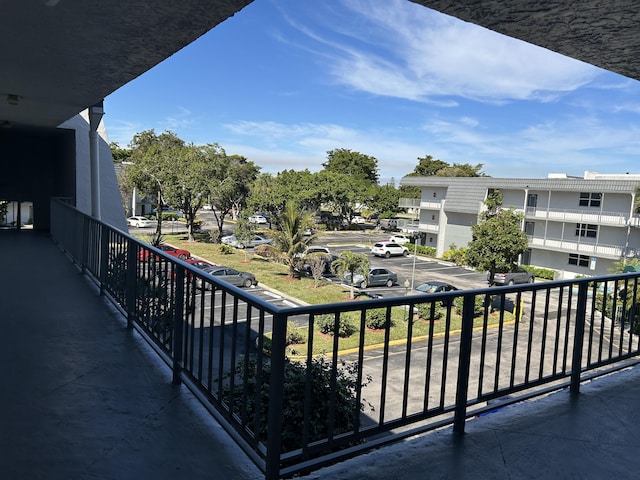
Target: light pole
<point x="406" y="292"/>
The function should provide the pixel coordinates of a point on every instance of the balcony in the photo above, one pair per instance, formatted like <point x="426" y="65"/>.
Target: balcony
<point x="577" y="216"/>
<point x="409" y="203"/>
<point x="92" y="399"/>
<point x="563" y="245"/>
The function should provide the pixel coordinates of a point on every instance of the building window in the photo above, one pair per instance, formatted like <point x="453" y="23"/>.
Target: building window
<point x="586" y="230"/>
<point x="579" y="260"/>
<point x="529" y="228"/>
<point x="590" y="199"/>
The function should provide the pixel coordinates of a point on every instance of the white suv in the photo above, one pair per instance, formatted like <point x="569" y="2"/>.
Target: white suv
<point x="389" y="249"/>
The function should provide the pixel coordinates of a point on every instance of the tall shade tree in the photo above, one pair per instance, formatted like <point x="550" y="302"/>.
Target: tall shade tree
<point x="229" y="182"/>
<point x="271" y="193"/>
<point x="384" y="199"/>
<point x="351" y="263"/>
<point x="188" y="188"/>
<point x="342" y="193"/>
<point x="152" y="171"/>
<point x="498" y="239"/>
<point x="289" y="240"/>
<point x="342" y="160"/>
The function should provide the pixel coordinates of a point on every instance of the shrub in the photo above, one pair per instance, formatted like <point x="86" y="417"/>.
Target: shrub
<point x="377" y="319"/>
<point x="478" y="306"/>
<point x="456" y="255"/>
<point x="225" y="249"/>
<point x="422" y="250"/>
<point x="326" y="324"/>
<point x="545" y="273"/>
<point x="294" y="336"/>
<point x="431" y="310"/>
<point x="339" y="403"/>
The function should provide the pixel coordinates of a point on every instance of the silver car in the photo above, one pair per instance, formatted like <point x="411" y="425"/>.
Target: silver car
<point x="255" y="240"/>
<point x="519" y="275"/>
<point x="377" y="277"/>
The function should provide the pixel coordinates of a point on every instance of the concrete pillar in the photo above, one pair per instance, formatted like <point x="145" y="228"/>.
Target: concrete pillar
<point x="95" y="116"/>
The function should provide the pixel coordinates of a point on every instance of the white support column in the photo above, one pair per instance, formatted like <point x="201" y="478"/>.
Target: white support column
<point x="95" y="116"/>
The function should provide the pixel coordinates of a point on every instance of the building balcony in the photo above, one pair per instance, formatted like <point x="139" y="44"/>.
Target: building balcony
<point x="409" y="203"/>
<point x="429" y="228"/>
<point x="127" y="372"/>
<point x="578" y="216"/>
<point x="572" y="246"/>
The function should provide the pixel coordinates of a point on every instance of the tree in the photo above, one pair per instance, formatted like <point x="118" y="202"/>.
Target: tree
<point x="428" y="166"/>
<point x="289" y="240"/>
<point x="384" y="199"/>
<point x="229" y="182"/>
<point x="342" y="193"/>
<point x="152" y="157"/>
<point x="271" y="193"/>
<point x="351" y="263"/>
<point x="356" y="164"/>
<point x="498" y="239"/>
<point x="187" y="189"/>
<point x="119" y="155"/>
<point x="636" y="200"/>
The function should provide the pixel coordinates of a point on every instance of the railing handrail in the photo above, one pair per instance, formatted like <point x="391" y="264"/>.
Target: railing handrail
<point x="215" y="342"/>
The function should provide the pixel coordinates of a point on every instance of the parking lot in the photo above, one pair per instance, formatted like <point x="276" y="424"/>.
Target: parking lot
<point x="414" y="269"/>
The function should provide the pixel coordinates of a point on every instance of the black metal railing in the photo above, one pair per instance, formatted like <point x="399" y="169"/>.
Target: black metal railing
<point x="296" y="398"/>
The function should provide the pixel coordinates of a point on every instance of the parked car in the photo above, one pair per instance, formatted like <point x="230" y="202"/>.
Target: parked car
<point x="199" y="263"/>
<point x="139" y="222"/>
<point x="518" y="275"/>
<point x="255" y="240"/>
<point x="358" y="219"/>
<point x="316" y="249"/>
<point x="258" y="219"/>
<point x="376" y="277"/>
<point x="389" y="249"/>
<point x="173" y="251"/>
<point x="435" y="286"/>
<point x="232" y="276"/>
<point x="399" y="238"/>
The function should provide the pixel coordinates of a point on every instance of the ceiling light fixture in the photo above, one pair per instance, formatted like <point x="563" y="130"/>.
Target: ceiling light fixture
<point x="13" y="99"/>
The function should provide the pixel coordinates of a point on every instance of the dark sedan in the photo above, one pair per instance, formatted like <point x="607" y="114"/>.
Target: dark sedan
<point x="435" y="286"/>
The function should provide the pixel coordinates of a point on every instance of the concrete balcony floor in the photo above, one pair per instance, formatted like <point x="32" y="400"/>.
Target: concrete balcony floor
<point x="82" y="397"/>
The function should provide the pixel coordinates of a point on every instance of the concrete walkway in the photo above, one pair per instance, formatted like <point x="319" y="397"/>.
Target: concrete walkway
<point x="82" y="397"/>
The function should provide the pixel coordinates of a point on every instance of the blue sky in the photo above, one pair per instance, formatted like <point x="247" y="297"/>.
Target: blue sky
<point x="284" y="81"/>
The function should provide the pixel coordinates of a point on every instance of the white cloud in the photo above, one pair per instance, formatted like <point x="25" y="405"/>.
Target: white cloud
<point x="404" y="50"/>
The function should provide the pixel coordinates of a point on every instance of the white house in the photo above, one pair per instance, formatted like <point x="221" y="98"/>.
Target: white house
<point x="576" y="226"/>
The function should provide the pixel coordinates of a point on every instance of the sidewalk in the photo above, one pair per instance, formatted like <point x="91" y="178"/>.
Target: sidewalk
<point x="83" y="397"/>
<point x="594" y="436"/>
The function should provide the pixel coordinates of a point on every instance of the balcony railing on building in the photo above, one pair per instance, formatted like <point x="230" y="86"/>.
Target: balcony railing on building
<point x="578" y="216"/>
<point x="573" y="246"/>
<point x="459" y="353"/>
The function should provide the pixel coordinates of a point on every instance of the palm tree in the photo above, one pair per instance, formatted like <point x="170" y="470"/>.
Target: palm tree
<point x="351" y="263"/>
<point x="289" y="238"/>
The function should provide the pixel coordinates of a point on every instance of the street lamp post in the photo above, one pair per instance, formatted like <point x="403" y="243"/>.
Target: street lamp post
<point x="407" y="284"/>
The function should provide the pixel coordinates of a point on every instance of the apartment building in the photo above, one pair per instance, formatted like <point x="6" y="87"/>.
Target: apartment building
<point x="575" y="225"/>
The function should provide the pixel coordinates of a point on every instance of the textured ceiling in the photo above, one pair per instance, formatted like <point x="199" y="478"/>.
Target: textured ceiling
<point x="605" y="33"/>
<point x="61" y="56"/>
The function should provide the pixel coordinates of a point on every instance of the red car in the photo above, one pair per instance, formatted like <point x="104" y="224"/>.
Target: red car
<point x="199" y="263"/>
<point x="173" y="251"/>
